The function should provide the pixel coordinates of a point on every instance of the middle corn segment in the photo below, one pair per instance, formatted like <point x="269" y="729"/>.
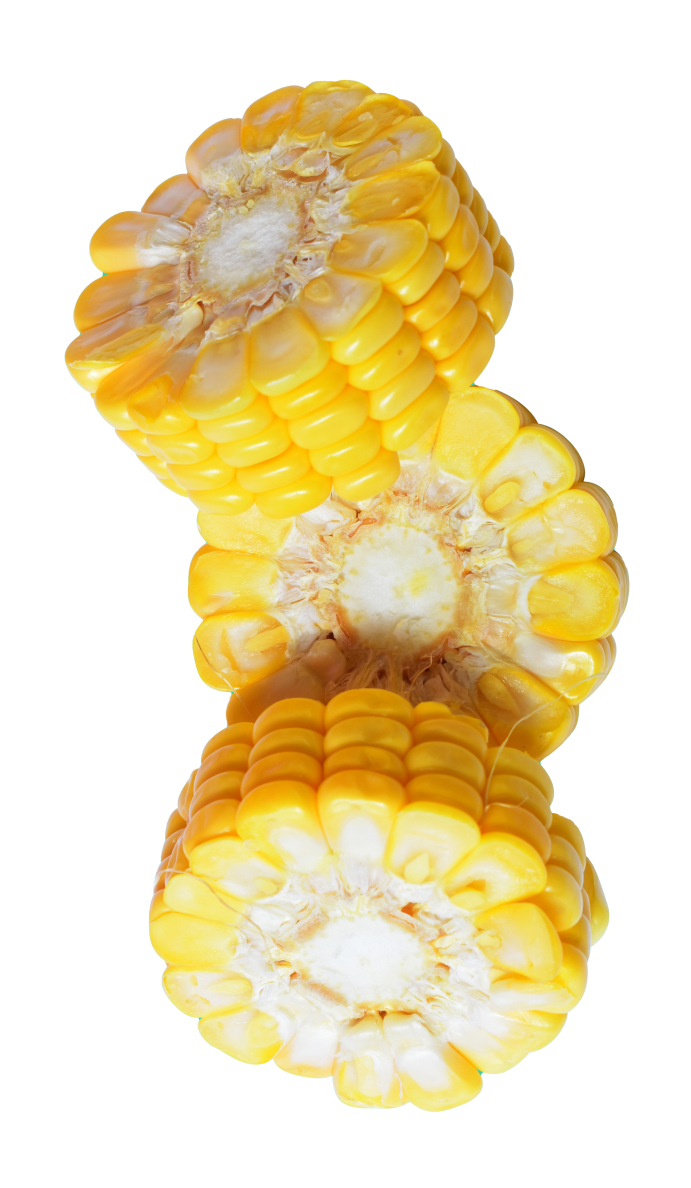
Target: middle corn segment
<point x="366" y="890"/>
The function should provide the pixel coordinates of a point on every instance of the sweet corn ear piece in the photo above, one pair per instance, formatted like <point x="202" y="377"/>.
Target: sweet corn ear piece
<point x="347" y="928"/>
<point x="359" y="218"/>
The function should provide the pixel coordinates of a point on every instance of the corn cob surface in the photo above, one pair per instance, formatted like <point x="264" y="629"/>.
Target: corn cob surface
<point x="292" y="313"/>
<point x="365" y="890"/>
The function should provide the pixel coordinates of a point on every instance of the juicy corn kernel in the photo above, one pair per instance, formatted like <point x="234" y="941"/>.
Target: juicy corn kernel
<point x="188" y="324"/>
<point x="347" y="927"/>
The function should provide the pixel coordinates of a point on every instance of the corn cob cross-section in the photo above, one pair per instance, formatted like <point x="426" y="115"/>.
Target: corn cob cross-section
<point x="366" y="891"/>
<point x="293" y="312"/>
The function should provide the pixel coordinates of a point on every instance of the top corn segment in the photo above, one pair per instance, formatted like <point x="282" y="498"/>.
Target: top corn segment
<point x="294" y="311"/>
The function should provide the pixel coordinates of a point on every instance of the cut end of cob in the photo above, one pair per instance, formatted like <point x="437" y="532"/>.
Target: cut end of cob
<point x="484" y="577"/>
<point x="292" y="314"/>
<point x="367" y="891"/>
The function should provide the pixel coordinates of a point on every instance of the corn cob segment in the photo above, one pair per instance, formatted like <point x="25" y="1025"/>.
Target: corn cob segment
<point x="331" y="225"/>
<point x="344" y="925"/>
<point x="485" y="576"/>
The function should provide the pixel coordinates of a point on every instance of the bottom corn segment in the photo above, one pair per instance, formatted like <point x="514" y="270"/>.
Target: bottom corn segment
<point x="367" y="891"/>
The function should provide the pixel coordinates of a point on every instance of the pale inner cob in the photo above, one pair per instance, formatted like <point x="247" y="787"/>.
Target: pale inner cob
<point x="366" y="891"/>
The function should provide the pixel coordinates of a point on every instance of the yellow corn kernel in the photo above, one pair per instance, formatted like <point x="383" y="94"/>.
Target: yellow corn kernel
<point x="243" y="1032"/>
<point x="311" y="1051"/>
<point x="282" y="817"/>
<point x="384" y="250"/>
<point x="434" y="1075"/>
<point x="511" y="818"/>
<point x="335" y="302"/>
<point x="451" y="730"/>
<point x="236" y="870"/>
<point x="371" y="333"/>
<point x="496" y="300"/>
<point x="461" y="241"/>
<point x="288" y="467"/>
<point x="267" y="118"/>
<point x="445" y="338"/>
<point x="193" y="942"/>
<point x="564" y="854"/>
<point x="575" y="602"/>
<point x="463" y="184"/>
<point x="356" y="703"/>
<point x="403" y="190"/>
<point x="260" y="447"/>
<point x="510" y="761"/>
<point x="210" y="474"/>
<point x="113" y="295"/>
<point x="446" y="789"/>
<point x="561" y="898"/>
<point x="249" y="532"/>
<point x="348" y="453"/>
<point x="341" y="417"/>
<point x="511" y="789"/>
<point x="528" y="943"/>
<point x="420" y="278"/>
<point x="388" y="362"/>
<point x="399" y="393"/>
<point x="285" y="351"/>
<point x="446" y="758"/>
<point x="476" y="426"/>
<point x="439" y="213"/>
<point x="255" y="416"/>
<point x="580" y="936"/>
<point x="189" y="895"/>
<point x="399" y="432"/>
<point x="500" y="869"/>
<point x="197" y="992"/>
<point x="232" y="757"/>
<point x="445" y="161"/>
<point x="322" y="107"/>
<point x="134" y="240"/>
<point x="216" y="142"/>
<point x="223" y="581"/>
<point x="599" y="911"/>
<point x="366" y="758"/>
<point x="301" y="712"/>
<point x="284" y="765"/>
<point x="564" y="827"/>
<point x="428" y="839"/>
<point x="364" y="1073"/>
<point x="304" y="740"/>
<point x="430" y="711"/>
<point x="136" y="440"/>
<point x="559" y="995"/>
<point x="368" y="731"/>
<point x="230" y="500"/>
<point x="503" y="257"/>
<point x="182" y="449"/>
<point x="228" y="736"/>
<point x="174" y="197"/>
<point x="357" y="810"/>
<point x="462" y="368"/>
<point x="311" y="395"/>
<point x="480" y="211"/>
<point x="295" y="498"/>
<point x="436" y="303"/>
<point x="369" y="118"/>
<point x="576" y="526"/>
<point x="219" y="384"/>
<point x="515" y="704"/>
<point x="413" y="139"/>
<point x="214" y="820"/>
<point x="224" y="786"/>
<point x="369" y="480"/>
<point x="221" y="653"/>
<point x="475" y="276"/>
<point x="538" y="463"/>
